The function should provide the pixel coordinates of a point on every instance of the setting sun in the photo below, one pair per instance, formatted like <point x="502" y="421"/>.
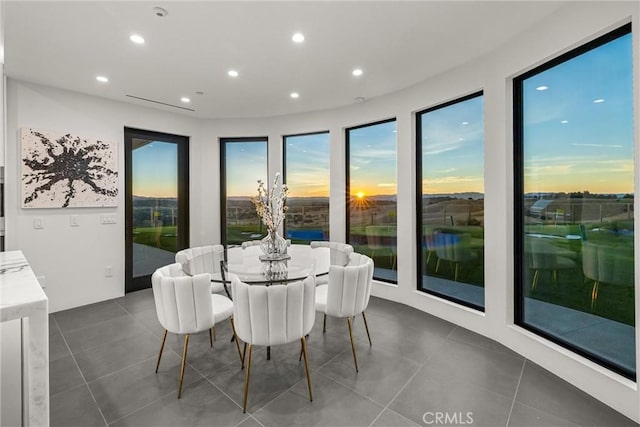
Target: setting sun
<point x="359" y="194"/>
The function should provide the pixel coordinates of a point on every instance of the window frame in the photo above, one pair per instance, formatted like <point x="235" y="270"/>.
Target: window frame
<point x="223" y="177"/>
<point x="518" y="196"/>
<point x="284" y="166"/>
<point x="348" y="181"/>
<point x="418" y="200"/>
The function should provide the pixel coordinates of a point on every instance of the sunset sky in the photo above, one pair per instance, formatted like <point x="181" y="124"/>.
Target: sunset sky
<point x="155" y="170"/>
<point x="373" y="159"/>
<point x="578" y="135"/>
<point x="307" y="165"/>
<point x="246" y="163"/>
<point x="452" y="148"/>
<point x="578" y="132"/>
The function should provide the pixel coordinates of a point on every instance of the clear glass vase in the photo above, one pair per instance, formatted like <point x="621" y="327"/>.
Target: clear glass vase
<point x="273" y="245"/>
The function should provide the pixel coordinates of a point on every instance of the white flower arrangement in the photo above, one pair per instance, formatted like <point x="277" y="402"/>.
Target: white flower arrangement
<point x="270" y="205"/>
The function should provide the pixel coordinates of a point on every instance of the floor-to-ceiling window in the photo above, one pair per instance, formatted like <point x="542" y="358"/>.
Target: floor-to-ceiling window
<point x="306" y="170"/>
<point x="157" y="202"/>
<point x="243" y="161"/>
<point x="450" y="202"/>
<point x="574" y="194"/>
<point x="371" y="195"/>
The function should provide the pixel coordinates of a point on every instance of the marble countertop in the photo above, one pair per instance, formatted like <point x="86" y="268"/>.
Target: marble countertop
<point x="20" y="293"/>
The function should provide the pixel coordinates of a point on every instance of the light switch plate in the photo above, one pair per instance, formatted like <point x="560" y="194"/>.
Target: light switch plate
<point x="108" y="219"/>
<point x="38" y="223"/>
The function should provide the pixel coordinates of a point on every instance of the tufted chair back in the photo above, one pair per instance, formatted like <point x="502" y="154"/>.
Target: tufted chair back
<point x="202" y="259"/>
<point x="250" y="243"/>
<point x="339" y="252"/>
<point x="272" y="315"/>
<point x="183" y="303"/>
<point x="349" y="287"/>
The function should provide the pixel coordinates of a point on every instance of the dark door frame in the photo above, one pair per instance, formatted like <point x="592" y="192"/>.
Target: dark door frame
<point x="182" y="142"/>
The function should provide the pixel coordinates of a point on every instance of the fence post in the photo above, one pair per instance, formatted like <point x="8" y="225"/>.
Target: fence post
<point x="600" y="213"/>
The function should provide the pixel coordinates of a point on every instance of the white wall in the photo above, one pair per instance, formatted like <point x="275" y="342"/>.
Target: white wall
<point x="73" y="260"/>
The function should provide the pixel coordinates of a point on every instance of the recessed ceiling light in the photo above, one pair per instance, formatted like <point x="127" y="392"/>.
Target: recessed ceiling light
<point x="598" y="101"/>
<point x="158" y="11"/>
<point x="564" y="121"/>
<point x="298" y="37"/>
<point x="357" y="72"/>
<point x="460" y="139"/>
<point x="185" y="99"/>
<point x="102" y="79"/>
<point x="465" y="123"/>
<point x="541" y="88"/>
<point x="137" y="39"/>
<point x="232" y="73"/>
<point x="294" y="95"/>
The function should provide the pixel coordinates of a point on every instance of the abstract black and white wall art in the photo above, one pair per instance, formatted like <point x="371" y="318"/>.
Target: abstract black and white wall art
<point x="67" y="171"/>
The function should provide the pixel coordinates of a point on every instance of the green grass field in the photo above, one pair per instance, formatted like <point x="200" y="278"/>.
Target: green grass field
<point x="164" y="237"/>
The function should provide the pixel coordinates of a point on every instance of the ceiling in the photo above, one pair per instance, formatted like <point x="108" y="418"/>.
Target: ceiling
<point x="396" y="43"/>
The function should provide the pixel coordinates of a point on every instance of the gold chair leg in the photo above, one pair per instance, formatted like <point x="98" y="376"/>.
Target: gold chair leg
<point x="244" y="354"/>
<point x="324" y="324"/>
<point x="366" y="327"/>
<point x="534" y="282"/>
<point x="594" y="295"/>
<point x="437" y="264"/>
<point x="233" y="328"/>
<point x="184" y="361"/>
<point x="246" y="380"/>
<point x="211" y="336"/>
<point x="428" y="258"/>
<point x="353" y="347"/>
<point x="306" y="365"/>
<point x="164" y="338"/>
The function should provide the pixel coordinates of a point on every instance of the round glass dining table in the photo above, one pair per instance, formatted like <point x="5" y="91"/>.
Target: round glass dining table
<point x="247" y="265"/>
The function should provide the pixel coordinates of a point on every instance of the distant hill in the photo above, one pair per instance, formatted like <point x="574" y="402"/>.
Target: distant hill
<point x="470" y="195"/>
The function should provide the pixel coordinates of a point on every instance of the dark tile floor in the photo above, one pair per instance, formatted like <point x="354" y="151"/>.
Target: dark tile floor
<point x="420" y="367"/>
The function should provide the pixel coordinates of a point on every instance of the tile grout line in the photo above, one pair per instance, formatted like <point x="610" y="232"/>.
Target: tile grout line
<point x="93" y="324"/>
<point x="144" y="360"/>
<point x="141" y="408"/>
<point x="86" y="384"/>
<point x="294" y="384"/>
<point x="217" y="388"/>
<point x="188" y="363"/>
<point x="516" y="393"/>
<point x="405" y="386"/>
<point x="119" y="370"/>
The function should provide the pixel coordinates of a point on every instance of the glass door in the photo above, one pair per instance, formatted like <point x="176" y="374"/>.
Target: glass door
<point x="157" y="223"/>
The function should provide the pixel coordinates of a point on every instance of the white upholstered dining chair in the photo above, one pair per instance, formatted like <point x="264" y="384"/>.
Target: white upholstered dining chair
<point x="272" y="315"/>
<point x="202" y="259"/>
<point x="185" y="305"/>
<point x="347" y="293"/>
<point x="339" y="252"/>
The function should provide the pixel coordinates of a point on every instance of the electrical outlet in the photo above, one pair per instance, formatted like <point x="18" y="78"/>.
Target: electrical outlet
<point x="38" y="223"/>
<point x="73" y="220"/>
<point x="108" y="271"/>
